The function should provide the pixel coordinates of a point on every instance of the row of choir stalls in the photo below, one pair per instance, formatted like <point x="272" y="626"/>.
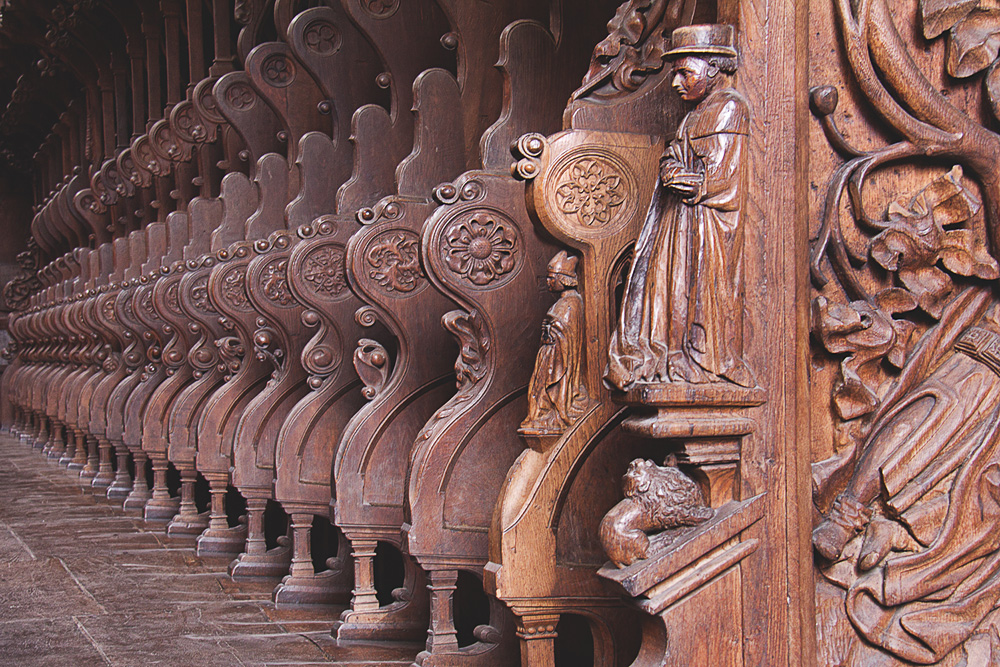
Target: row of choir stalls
<point x="325" y="291"/>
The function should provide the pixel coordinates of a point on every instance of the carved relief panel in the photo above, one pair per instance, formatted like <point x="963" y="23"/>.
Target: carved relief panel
<point x="903" y="321"/>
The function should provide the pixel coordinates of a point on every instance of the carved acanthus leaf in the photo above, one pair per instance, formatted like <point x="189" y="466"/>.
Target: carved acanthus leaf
<point x="394" y="259"/>
<point x="638" y="38"/>
<point x="914" y="242"/>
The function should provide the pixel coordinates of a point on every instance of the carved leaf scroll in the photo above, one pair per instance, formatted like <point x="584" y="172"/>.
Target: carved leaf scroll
<point x="394" y="259"/>
<point x="234" y="288"/>
<point x="274" y="281"/>
<point x="917" y="247"/>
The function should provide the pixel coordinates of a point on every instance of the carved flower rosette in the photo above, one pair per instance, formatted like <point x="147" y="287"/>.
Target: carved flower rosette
<point x="322" y="272"/>
<point x="481" y="247"/>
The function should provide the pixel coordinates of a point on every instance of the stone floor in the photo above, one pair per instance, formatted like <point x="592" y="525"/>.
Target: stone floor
<point x="83" y="584"/>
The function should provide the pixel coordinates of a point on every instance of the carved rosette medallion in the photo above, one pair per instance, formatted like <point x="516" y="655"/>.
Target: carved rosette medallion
<point x="592" y="189"/>
<point x="323" y="38"/>
<point x="199" y="295"/>
<point x="241" y="97"/>
<point x="279" y="70"/>
<point x="595" y="191"/>
<point x="481" y="247"/>
<point x="393" y="259"/>
<point x="380" y="9"/>
<point x="323" y="271"/>
<point x="274" y="282"/>
<point x="234" y="289"/>
<point x="189" y="124"/>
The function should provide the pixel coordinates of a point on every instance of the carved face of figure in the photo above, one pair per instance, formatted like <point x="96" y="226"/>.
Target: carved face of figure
<point x="554" y="283"/>
<point x="693" y="78"/>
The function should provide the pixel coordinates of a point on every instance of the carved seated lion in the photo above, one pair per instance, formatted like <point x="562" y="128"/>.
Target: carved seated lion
<point x="656" y="498"/>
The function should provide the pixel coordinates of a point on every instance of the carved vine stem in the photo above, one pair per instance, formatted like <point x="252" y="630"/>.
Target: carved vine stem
<point x="942" y="129"/>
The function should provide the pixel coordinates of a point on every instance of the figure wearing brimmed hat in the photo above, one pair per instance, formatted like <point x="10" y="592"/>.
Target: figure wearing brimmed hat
<point x="682" y="312"/>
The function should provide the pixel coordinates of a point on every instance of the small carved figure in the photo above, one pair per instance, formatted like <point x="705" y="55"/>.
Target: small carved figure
<point x="557" y="396"/>
<point x="656" y="498"/>
<point x="682" y="312"/>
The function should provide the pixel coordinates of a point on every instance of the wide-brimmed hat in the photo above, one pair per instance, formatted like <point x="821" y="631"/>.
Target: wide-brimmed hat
<point x="712" y="39"/>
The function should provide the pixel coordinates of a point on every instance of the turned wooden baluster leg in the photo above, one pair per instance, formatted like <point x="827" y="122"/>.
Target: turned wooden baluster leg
<point x="161" y="507"/>
<point x="69" y="449"/>
<point x="217" y="517"/>
<point x="442" y="636"/>
<point x="56" y="443"/>
<point x="256" y="542"/>
<point x="79" y="451"/>
<point x="93" y="461"/>
<point x="364" y="596"/>
<point x="188" y="508"/>
<point x="538" y="634"/>
<point x="42" y="438"/>
<point x="302" y="565"/>
<point x="105" y="471"/>
<point x="140" y="493"/>
<point x="122" y="484"/>
<point x="35" y="435"/>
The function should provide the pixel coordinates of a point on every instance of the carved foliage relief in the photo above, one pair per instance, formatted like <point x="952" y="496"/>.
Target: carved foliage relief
<point x="274" y="282"/>
<point x="906" y="333"/>
<point x="393" y="261"/>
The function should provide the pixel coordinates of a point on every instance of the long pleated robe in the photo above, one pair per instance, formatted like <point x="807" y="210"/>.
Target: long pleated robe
<point x="682" y="312"/>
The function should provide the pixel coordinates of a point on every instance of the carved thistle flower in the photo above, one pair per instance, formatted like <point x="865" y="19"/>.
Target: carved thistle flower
<point x="480" y="248"/>
<point x="591" y="190"/>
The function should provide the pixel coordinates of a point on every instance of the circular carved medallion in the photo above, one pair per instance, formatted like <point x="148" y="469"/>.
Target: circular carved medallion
<point x="482" y="247"/>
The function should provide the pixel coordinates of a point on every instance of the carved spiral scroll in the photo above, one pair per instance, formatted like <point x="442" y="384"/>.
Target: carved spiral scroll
<point x="372" y="364"/>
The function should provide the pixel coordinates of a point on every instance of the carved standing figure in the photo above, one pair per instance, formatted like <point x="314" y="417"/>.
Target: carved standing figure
<point x="557" y="396"/>
<point x="682" y="313"/>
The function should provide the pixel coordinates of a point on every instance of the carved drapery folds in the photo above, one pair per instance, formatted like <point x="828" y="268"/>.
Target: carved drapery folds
<point x="557" y="396"/>
<point x="904" y="311"/>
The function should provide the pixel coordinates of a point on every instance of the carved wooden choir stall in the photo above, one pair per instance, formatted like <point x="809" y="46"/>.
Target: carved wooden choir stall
<point x="534" y="332"/>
